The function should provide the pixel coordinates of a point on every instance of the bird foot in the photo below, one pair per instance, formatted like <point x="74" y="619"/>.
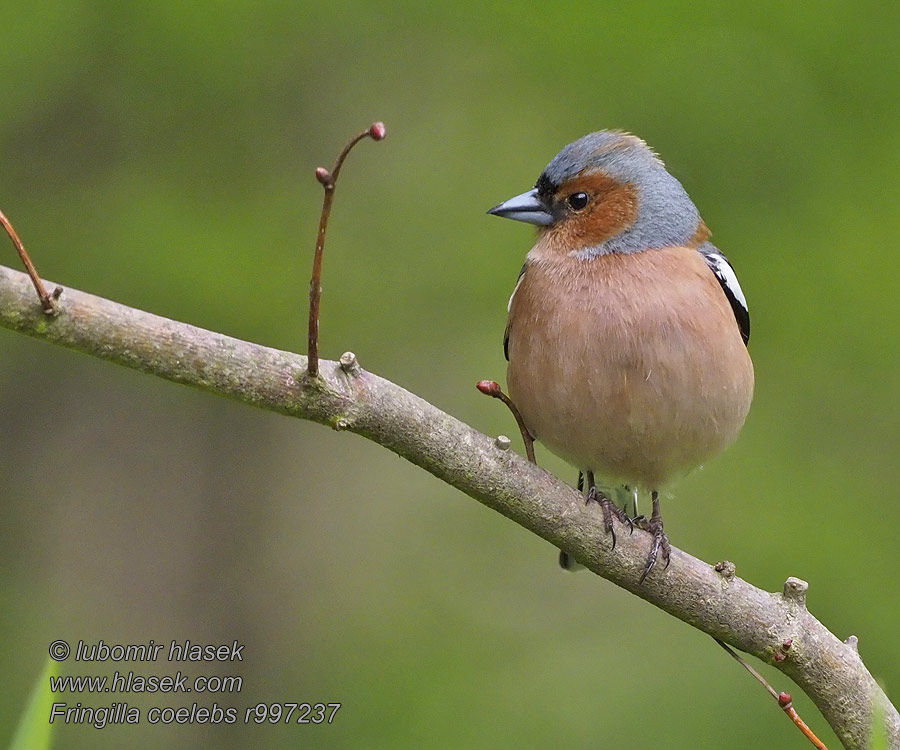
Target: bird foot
<point x="641" y="522"/>
<point x="660" y="543"/>
<point x="610" y="511"/>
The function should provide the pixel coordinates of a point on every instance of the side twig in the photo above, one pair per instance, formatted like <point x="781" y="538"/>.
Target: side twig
<point x="492" y="388"/>
<point x="376" y="131"/>
<point x="47" y="300"/>
<point x="783" y="699"/>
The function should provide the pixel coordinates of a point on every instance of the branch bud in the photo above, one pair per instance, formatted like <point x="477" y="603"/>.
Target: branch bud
<point x="323" y="176"/>
<point x="489" y="388"/>
<point x="795" y="590"/>
<point x="349" y="363"/>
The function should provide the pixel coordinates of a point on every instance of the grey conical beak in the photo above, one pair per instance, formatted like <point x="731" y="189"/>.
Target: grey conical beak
<point x="526" y="207"/>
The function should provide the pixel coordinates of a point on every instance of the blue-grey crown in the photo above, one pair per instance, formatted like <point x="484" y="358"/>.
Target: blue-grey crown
<point x="666" y="215"/>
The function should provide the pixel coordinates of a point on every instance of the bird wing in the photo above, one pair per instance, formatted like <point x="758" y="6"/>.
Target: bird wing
<point x="727" y="278"/>
<point x="508" y="308"/>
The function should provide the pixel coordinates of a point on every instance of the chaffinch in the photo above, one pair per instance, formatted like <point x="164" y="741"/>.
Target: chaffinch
<point x="627" y="329"/>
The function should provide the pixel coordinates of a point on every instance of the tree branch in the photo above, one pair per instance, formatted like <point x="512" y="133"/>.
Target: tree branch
<point x="346" y="397"/>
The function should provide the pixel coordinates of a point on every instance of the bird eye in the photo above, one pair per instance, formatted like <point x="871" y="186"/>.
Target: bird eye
<point x="577" y="201"/>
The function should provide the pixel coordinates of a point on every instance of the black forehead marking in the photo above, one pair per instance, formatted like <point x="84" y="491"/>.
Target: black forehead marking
<point x="545" y="186"/>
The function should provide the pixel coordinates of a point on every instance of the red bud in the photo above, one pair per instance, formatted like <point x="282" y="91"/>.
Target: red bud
<point x="377" y="131"/>
<point x="784" y="700"/>
<point x="488" y="387"/>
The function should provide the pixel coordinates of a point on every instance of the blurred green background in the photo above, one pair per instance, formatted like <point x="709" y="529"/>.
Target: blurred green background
<point x="162" y="155"/>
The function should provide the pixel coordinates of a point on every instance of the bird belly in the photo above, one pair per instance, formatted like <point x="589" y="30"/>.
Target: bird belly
<point x="629" y="366"/>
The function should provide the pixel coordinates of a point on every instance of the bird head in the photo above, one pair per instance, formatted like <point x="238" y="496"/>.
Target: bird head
<point x="607" y="192"/>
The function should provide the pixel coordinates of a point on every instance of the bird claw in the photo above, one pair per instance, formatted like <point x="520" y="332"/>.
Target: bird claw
<point x="653" y="525"/>
<point x="660" y="544"/>
<point x="641" y="521"/>
<point x="610" y="511"/>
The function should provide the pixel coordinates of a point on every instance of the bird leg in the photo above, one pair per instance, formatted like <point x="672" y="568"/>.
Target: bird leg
<point x="609" y="508"/>
<point x="660" y="540"/>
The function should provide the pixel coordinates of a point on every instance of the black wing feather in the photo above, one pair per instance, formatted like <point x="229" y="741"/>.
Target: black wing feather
<point x="727" y="279"/>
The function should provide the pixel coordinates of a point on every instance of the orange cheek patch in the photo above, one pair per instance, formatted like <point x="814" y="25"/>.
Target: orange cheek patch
<point x="613" y="208"/>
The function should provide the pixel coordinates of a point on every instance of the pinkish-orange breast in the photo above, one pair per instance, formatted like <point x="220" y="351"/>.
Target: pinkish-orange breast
<point x="631" y="366"/>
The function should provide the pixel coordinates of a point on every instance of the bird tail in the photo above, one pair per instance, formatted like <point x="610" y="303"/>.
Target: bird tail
<point x="567" y="562"/>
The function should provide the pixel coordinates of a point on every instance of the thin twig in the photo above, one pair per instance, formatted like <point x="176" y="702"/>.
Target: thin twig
<point x="47" y="300"/>
<point x="493" y="389"/>
<point x="376" y="132"/>
<point x="782" y="699"/>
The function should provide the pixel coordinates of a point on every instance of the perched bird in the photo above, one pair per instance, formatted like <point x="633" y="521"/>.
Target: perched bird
<point x="627" y="329"/>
